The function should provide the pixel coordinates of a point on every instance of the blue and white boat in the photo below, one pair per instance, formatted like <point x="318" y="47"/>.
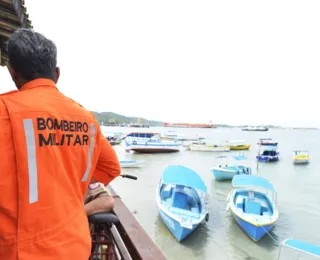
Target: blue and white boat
<point x="150" y="143"/>
<point x="251" y="205"/>
<point x="268" y="154"/>
<point x="302" y="248"/>
<point x="130" y="164"/>
<point x="182" y="200"/>
<point x="227" y="171"/>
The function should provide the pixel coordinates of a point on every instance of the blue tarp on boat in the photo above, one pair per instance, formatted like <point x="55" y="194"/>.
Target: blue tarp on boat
<point x="250" y="180"/>
<point x="180" y="175"/>
<point x="302" y="246"/>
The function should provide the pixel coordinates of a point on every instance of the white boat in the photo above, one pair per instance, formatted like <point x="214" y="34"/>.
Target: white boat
<point x="149" y="142"/>
<point x="208" y="147"/>
<point x="182" y="200"/>
<point x="131" y="164"/>
<point x="301" y="157"/>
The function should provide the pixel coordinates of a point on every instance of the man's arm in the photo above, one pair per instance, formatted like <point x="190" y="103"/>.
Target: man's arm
<point x="101" y="204"/>
<point x="108" y="166"/>
<point x="97" y="199"/>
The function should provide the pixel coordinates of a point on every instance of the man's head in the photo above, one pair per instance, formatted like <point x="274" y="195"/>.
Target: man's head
<point x="31" y="56"/>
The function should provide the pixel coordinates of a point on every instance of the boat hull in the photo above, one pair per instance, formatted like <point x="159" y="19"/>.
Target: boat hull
<point x="130" y="164"/>
<point x="221" y="175"/>
<point x="268" y="144"/>
<point x="240" y="147"/>
<point x="267" y="158"/>
<point x="253" y="231"/>
<point x="301" y="161"/>
<point x="175" y="228"/>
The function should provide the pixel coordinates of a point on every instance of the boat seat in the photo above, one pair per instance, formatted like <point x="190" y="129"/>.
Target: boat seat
<point x="180" y="200"/>
<point x="195" y="210"/>
<point x="266" y="213"/>
<point x="184" y="212"/>
<point x="252" y="207"/>
<point x="166" y="193"/>
<point x="103" y="218"/>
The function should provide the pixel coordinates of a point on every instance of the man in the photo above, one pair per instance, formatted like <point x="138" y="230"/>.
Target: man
<point x="51" y="148"/>
<point x="97" y="199"/>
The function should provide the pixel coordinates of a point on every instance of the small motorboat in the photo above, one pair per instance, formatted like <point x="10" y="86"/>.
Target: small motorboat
<point x="227" y="172"/>
<point x="150" y="143"/>
<point x="302" y="248"/>
<point x="182" y="200"/>
<point x="267" y="141"/>
<point x="254" y="210"/>
<point x="131" y="164"/>
<point x="268" y="154"/>
<point x="238" y="145"/>
<point x="301" y="157"/>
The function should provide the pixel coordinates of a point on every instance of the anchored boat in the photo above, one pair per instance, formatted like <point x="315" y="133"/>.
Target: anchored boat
<point x="150" y="143"/>
<point x="131" y="164"/>
<point x="227" y="172"/>
<point x="182" y="200"/>
<point x="301" y="247"/>
<point x="253" y="209"/>
<point x="267" y="141"/>
<point x="301" y="157"/>
<point x="238" y="145"/>
<point x="268" y="154"/>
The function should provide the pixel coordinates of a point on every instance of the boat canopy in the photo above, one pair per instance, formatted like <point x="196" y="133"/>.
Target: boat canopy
<point x="251" y="180"/>
<point x="181" y="175"/>
<point x="236" y="157"/>
<point x="302" y="246"/>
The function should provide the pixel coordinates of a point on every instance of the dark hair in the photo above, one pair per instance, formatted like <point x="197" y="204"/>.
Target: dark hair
<point x="32" y="55"/>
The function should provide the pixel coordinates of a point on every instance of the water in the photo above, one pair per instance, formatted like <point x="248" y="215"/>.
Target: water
<point x="220" y="237"/>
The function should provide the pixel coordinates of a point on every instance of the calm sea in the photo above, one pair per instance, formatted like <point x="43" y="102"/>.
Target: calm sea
<point x="220" y="237"/>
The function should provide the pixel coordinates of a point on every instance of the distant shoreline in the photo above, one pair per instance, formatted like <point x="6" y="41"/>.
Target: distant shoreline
<point x="113" y="119"/>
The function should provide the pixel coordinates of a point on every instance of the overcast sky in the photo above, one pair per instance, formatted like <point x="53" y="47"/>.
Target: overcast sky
<point x="234" y="62"/>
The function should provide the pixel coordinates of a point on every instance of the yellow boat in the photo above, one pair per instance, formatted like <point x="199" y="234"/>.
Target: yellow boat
<point x="238" y="145"/>
<point x="301" y="157"/>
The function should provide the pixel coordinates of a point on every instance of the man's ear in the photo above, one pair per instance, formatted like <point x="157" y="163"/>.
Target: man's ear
<point x="57" y="74"/>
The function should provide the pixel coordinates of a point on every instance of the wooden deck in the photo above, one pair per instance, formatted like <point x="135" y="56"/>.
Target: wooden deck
<point x="13" y="15"/>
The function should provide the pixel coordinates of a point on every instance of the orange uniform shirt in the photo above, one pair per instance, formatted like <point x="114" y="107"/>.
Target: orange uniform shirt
<point x="50" y="149"/>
